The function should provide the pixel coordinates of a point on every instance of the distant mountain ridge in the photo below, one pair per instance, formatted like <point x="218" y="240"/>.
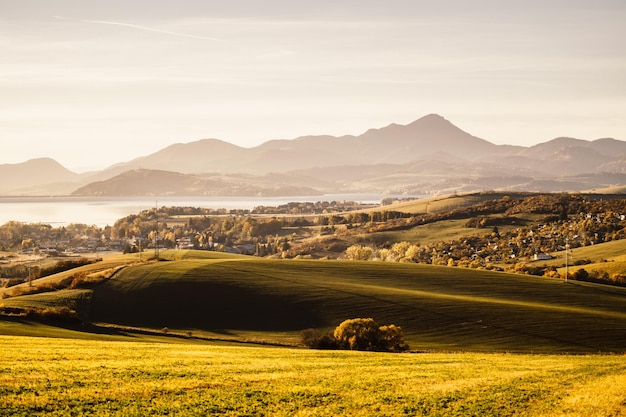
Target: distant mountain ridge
<point x="428" y="155"/>
<point x="149" y="182"/>
<point x="35" y="174"/>
<point x="395" y="144"/>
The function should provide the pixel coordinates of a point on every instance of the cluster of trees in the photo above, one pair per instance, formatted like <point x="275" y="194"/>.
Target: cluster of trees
<point x="207" y="232"/>
<point x="77" y="280"/>
<point x="358" y="334"/>
<point x="307" y="208"/>
<point x="268" y="235"/>
<point x="18" y="273"/>
<point x="63" y="314"/>
<point x="17" y="236"/>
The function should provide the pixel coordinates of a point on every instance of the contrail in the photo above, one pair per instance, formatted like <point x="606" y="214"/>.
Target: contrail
<point x="166" y="32"/>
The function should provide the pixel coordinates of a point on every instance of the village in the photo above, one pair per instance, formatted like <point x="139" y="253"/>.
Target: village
<point x="497" y="233"/>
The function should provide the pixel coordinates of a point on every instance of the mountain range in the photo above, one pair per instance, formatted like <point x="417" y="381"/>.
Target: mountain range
<point x="430" y="155"/>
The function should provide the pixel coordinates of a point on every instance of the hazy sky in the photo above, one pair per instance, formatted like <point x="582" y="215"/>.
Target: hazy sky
<point x="91" y="83"/>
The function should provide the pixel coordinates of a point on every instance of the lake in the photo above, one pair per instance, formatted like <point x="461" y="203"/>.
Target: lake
<point x="103" y="211"/>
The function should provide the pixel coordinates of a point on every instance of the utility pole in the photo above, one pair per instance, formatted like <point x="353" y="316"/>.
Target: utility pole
<point x="156" y="234"/>
<point x="566" y="259"/>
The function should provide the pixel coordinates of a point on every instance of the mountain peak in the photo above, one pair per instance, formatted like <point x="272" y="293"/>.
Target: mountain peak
<point x="431" y="121"/>
<point x="434" y="116"/>
<point x="43" y="164"/>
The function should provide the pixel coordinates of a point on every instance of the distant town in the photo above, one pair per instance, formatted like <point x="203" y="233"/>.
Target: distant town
<point x="493" y="231"/>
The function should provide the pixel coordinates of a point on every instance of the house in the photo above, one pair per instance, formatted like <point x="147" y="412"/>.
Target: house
<point x="184" y="243"/>
<point x="542" y="256"/>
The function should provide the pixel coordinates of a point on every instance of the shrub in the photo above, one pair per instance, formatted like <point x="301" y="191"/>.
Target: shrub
<point x="61" y="313"/>
<point x="357" y="334"/>
<point x="619" y="279"/>
<point x="45" y="287"/>
<point x="392" y="339"/>
<point x="359" y="253"/>
<point x="57" y="313"/>
<point x="319" y="339"/>
<point x="82" y="280"/>
<point x="581" y="275"/>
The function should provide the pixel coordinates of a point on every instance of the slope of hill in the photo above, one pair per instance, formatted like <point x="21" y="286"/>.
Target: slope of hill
<point x="438" y="307"/>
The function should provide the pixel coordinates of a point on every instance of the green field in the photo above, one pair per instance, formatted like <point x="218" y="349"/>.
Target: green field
<point x="64" y="377"/>
<point x="439" y="308"/>
<point x="609" y="257"/>
<point x="442" y="203"/>
<point x="482" y="343"/>
<point x="445" y="230"/>
<point x="615" y="250"/>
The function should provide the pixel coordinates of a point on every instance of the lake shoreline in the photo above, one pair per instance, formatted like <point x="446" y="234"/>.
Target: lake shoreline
<point x="104" y="211"/>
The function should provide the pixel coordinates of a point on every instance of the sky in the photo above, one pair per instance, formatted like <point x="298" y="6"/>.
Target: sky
<point x="94" y="82"/>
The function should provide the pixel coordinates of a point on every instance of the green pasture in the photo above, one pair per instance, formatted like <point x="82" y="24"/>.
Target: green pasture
<point x="439" y="308"/>
<point x="610" y="267"/>
<point x="433" y="232"/>
<point x="614" y="250"/>
<point x="67" y="377"/>
<point x="444" y="231"/>
<point x="441" y="203"/>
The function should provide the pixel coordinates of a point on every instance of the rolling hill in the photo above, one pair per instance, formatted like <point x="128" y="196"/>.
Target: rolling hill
<point x="438" y="307"/>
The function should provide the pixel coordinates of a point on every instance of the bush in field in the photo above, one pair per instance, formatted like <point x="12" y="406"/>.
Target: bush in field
<point x="359" y="253"/>
<point x="358" y="334"/>
<point x="392" y="338"/>
<point x="62" y="313"/>
<point x="40" y="288"/>
<point x="82" y="280"/>
<point x="319" y="339"/>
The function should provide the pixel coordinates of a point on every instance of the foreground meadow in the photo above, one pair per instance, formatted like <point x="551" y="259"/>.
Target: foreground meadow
<point x="62" y="377"/>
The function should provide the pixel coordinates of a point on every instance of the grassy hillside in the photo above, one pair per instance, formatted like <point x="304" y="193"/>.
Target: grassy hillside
<point x="438" y="307"/>
<point x="611" y="267"/>
<point x="442" y="203"/>
<point x="77" y="377"/>
<point x="445" y="230"/>
<point x="609" y="258"/>
<point x="612" y="251"/>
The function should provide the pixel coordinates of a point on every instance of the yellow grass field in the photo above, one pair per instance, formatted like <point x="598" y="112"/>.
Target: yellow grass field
<point x="64" y="377"/>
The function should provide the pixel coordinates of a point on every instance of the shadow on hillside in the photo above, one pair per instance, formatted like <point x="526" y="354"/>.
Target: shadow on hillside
<point x="74" y="325"/>
<point x="201" y="305"/>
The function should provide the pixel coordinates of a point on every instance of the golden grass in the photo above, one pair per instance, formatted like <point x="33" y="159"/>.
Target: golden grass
<point x="62" y="377"/>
